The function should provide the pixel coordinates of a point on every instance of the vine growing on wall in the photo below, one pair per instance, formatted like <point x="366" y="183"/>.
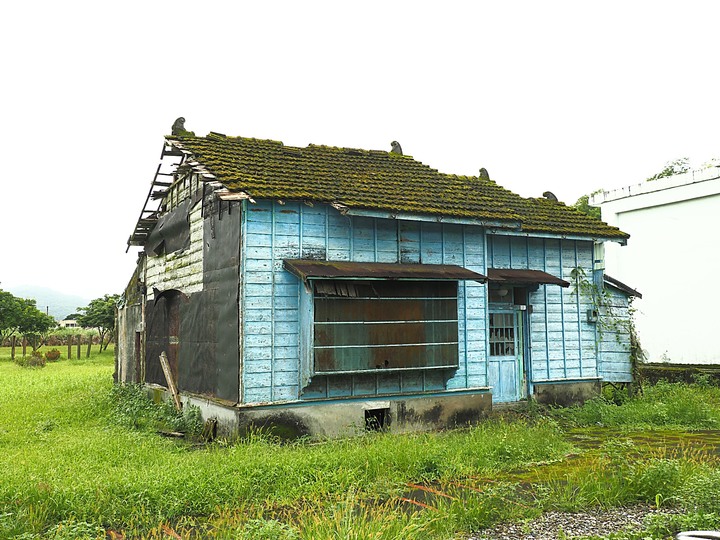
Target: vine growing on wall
<point x="608" y="318"/>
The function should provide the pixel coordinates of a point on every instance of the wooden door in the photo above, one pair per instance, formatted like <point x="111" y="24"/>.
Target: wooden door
<point x="505" y="357"/>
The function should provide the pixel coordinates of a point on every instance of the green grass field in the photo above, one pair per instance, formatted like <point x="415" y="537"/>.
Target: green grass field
<point x="79" y="459"/>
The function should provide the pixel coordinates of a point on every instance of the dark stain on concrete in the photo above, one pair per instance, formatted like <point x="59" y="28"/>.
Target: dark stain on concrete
<point x="285" y="426"/>
<point x="566" y="394"/>
<point x="465" y="417"/>
<point x="408" y="415"/>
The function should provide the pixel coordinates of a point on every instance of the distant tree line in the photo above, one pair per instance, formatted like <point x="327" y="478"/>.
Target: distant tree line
<point x="100" y="315"/>
<point x="21" y="317"/>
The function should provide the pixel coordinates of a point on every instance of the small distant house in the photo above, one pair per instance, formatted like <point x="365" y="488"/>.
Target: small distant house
<point x="322" y="290"/>
<point x="677" y="217"/>
<point x="68" y="323"/>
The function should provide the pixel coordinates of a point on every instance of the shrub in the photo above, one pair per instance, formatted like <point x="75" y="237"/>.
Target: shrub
<point x="53" y="355"/>
<point x="36" y="359"/>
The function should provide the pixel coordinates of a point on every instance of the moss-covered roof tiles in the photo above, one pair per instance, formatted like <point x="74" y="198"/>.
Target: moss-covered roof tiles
<point x="377" y="180"/>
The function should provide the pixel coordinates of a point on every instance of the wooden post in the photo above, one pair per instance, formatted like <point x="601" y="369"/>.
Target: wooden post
<point x="79" y="340"/>
<point x="24" y="346"/>
<point x="171" y="382"/>
<point x="13" y="339"/>
<point x="69" y="347"/>
<point x="87" y="355"/>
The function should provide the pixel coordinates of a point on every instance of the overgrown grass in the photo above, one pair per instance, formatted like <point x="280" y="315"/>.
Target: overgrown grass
<point x="73" y="450"/>
<point x="80" y="458"/>
<point x="663" y="406"/>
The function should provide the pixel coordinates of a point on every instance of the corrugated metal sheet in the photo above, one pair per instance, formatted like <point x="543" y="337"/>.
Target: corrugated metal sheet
<point x="508" y="275"/>
<point x="309" y="269"/>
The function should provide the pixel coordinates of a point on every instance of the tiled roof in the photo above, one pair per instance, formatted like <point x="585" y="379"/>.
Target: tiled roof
<point x="377" y="180"/>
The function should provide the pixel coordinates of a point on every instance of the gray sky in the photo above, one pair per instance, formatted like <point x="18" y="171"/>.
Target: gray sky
<point x="560" y="96"/>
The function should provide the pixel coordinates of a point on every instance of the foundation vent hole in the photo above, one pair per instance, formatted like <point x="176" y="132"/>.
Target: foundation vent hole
<point x="376" y="419"/>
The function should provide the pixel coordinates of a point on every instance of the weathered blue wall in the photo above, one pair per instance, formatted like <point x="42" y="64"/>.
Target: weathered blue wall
<point x="271" y="296"/>
<point x="614" y="331"/>
<point x="562" y="341"/>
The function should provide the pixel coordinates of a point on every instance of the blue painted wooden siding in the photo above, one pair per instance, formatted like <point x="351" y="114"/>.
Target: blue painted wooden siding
<point x="562" y="341"/>
<point x="271" y="296"/>
<point x="615" y="363"/>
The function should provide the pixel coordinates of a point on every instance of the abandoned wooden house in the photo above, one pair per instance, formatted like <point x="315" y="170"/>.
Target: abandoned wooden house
<point x="325" y="290"/>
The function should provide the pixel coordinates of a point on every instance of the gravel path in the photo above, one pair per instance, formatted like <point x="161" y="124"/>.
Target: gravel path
<point x="595" y="522"/>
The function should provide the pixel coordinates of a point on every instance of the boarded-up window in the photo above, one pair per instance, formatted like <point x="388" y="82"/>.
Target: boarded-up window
<point x="371" y="325"/>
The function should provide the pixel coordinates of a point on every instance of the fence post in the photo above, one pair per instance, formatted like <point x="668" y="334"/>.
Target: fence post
<point x="24" y="346"/>
<point x="69" y="347"/>
<point x="13" y="339"/>
<point x="79" y="341"/>
<point x="87" y="355"/>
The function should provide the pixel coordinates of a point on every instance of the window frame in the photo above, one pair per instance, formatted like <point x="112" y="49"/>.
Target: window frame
<point x="448" y="303"/>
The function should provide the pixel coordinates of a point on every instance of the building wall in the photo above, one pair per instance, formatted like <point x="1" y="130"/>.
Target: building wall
<point x="562" y="340"/>
<point x="127" y="353"/>
<point x="268" y="356"/>
<point x="614" y="343"/>
<point x="270" y="297"/>
<point x="199" y="301"/>
<point x="181" y="270"/>
<point x="129" y="339"/>
<point x="671" y="257"/>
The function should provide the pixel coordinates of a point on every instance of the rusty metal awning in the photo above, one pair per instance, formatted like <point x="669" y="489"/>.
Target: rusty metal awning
<point x="621" y="286"/>
<point x="524" y="277"/>
<point x="311" y="269"/>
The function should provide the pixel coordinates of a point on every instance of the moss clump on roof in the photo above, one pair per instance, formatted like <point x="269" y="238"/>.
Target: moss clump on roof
<point x="377" y="180"/>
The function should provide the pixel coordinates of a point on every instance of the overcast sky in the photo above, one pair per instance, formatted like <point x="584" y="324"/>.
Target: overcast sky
<point x="561" y="96"/>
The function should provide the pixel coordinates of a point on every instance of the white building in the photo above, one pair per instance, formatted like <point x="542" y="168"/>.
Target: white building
<point x="673" y="256"/>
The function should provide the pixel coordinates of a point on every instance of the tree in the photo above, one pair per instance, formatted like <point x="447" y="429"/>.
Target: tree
<point x="677" y="166"/>
<point x="100" y="314"/>
<point x="33" y="324"/>
<point x="583" y="205"/>
<point x="10" y="309"/>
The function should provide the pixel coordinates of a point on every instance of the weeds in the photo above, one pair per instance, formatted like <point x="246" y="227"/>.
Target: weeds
<point x="665" y="405"/>
<point x="131" y="407"/>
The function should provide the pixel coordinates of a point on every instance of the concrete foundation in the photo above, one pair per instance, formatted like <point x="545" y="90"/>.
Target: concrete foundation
<point x="566" y="393"/>
<point x="344" y="418"/>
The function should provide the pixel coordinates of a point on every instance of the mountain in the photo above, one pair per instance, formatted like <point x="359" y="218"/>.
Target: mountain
<point x="56" y="303"/>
